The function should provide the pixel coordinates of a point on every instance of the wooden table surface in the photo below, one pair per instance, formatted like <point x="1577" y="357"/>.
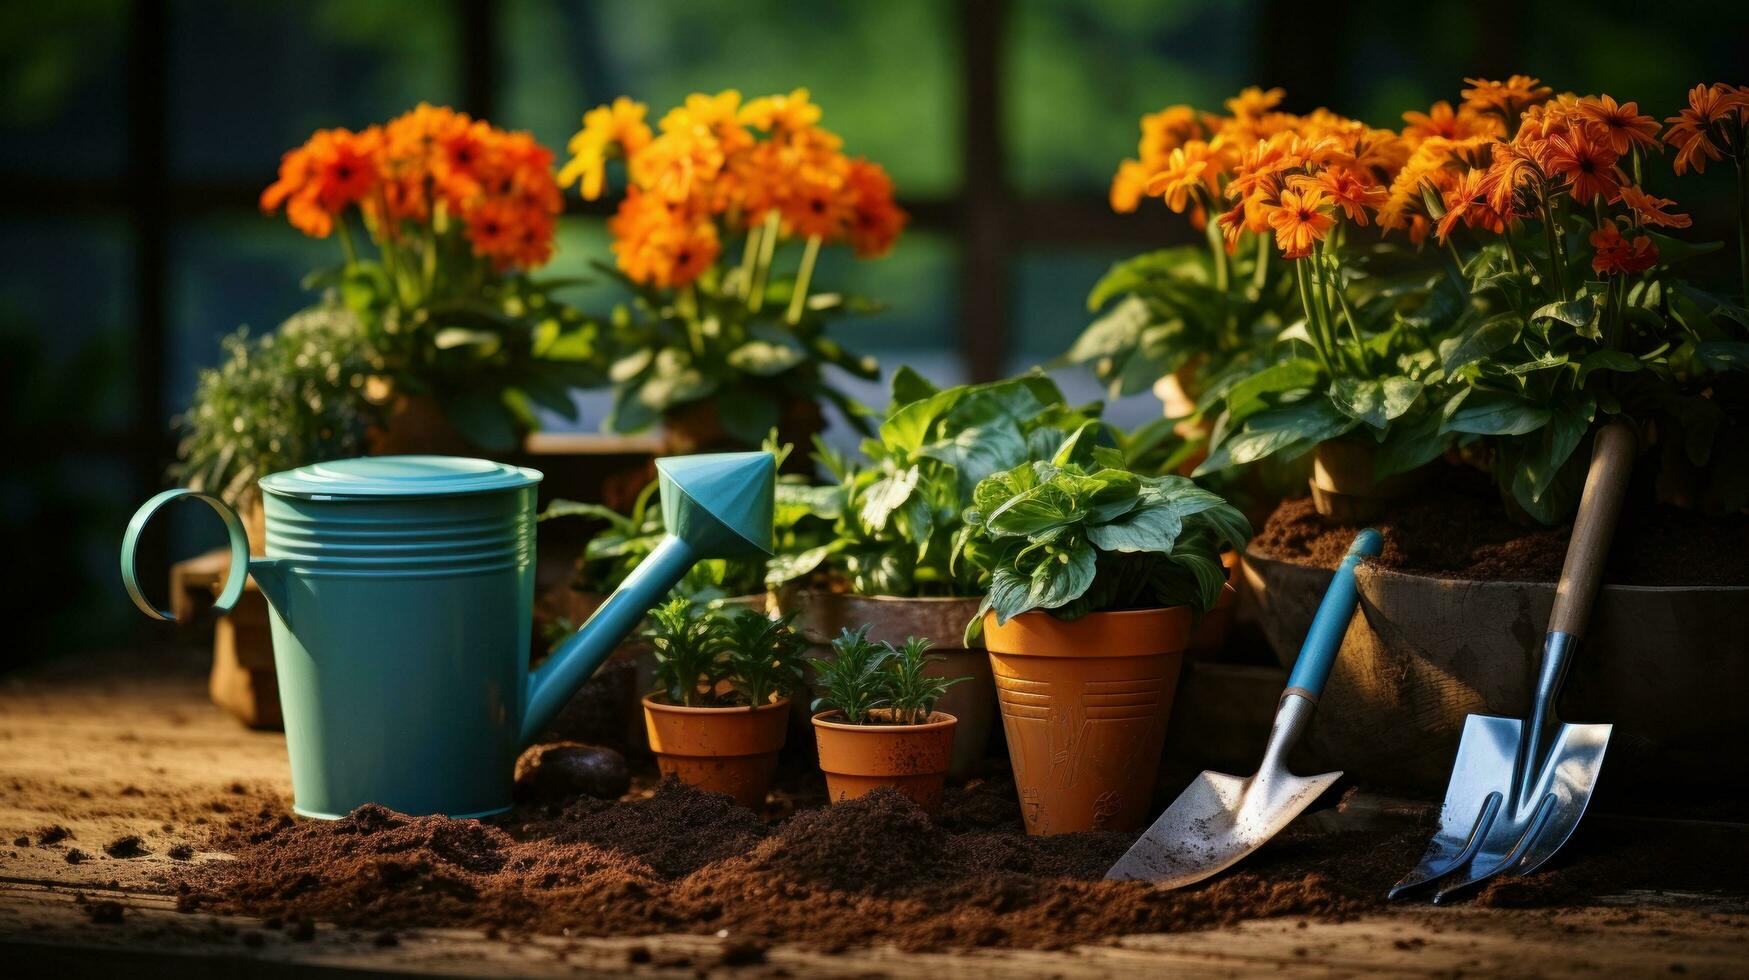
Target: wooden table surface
<point x="105" y="757"/>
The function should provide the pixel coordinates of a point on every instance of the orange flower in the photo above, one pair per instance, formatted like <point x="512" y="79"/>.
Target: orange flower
<point x="1693" y="130"/>
<point x="510" y="233"/>
<point x="1513" y="182"/>
<point x="1195" y="164"/>
<point x="1442" y="121"/>
<point x="1301" y="218"/>
<point x="875" y="220"/>
<point x="818" y="204"/>
<point x="1621" y="126"/>
<point x="335" y="168"/>
<point x="1507" y="98"/>
<point x="1651" y="211"/>
<point x="1467" y="202"/>
<point x="1617" y="256"/>
<point x="1588" y="164"/>
<point x="608" y="130"/>
<point x="1165" y="131"/>
<point x="661" y="244"/>
<point x="1353" y="195"/>
<point x="1128" y="186"/>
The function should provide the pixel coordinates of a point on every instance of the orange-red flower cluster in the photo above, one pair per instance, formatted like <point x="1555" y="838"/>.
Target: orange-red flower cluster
<point x="715" y="166"/>
<point x="1713" y="124"/>
<point x="498" y="184"/>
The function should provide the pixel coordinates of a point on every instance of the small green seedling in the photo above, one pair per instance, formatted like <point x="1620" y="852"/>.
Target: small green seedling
<point x="688" y="649"/>
<point x="764" y="655"/>
<point x="911" y="695"/>
<point x="864" y="677"/>
<point x="854" y="679"/>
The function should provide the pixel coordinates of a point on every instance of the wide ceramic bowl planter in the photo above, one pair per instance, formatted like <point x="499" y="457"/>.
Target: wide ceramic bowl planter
<point x="821" y="615"/>
<point x="1085" y="706"/>
<point x="732" y="751"/>
<point x="859" y="759"/>
<point x="1667" y="666"/>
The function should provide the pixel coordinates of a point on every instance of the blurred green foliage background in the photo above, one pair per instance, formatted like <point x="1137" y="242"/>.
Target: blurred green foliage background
<point x="134" y="135"/>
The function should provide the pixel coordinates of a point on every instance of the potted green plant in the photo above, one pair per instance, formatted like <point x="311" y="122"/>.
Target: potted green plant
<point x="889" y="561"/>
<point x="720" y="711"/>
<point x="875" y="720"/>
<point x="1097" y="577"/>
<point x="719" y="343"/>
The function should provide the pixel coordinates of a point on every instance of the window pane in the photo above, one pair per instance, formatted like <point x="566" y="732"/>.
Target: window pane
<point x="886" y="73"/>
<point x="227" y="272"/>
<point x="250" y="80"/>
<point x="66" y="311"/>
<point x="1080" y="76"/>
<point x="62" y="91"/>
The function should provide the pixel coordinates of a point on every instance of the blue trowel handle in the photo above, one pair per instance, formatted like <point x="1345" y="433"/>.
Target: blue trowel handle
<point x="1318" y="653"/>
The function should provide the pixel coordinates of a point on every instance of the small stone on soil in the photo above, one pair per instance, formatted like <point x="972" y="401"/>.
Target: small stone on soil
<point x="74" y="856"/>
<point x="51" y="835"/>
<point x="127" y="846"/>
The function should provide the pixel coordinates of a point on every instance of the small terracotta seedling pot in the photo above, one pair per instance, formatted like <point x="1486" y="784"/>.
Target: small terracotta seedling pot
<point x="722" y="750"/>
<point x="1084" y="705"/>
<point x="859" y="759"/>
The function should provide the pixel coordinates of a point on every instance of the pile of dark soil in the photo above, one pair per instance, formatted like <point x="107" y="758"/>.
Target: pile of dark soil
<point x="870" y="871"/>
<point x="1458" y="528"/>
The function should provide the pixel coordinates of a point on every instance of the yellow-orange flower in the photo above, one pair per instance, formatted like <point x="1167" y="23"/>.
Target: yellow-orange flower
<point x="1354" y="196"/>
<point x="1443" y="121"/>
<point x="1128" y="186"/>
<point x="875" y="221"/>
<point x="1652" y="211"/>
<point x="1195" y="164"/>
<point x="608" y="130"/>
<point x="659" y="243"/>
<point x="1165" y="131"/>
<point x="1507" y="98"/>
<point x="1616" y="255"/>
<point x="781" y="113"/>
<point x="1621" y="126"/>
<point x="1467" y="201"/>
<point x="1254" y="101"/>
<point x="1301" y="218"/>
<point x="1692" y="131"/>
<point x="318" y="180"/>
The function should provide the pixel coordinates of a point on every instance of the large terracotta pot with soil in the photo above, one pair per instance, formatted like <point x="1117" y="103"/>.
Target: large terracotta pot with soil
<point x="821" y="615"/>
<point x="732" y="751"/>
<point x="1667" y="665"/>
<point x="1344" y="488"/>
<point x="859" y="759"/>
<point x="1085" y="705"/>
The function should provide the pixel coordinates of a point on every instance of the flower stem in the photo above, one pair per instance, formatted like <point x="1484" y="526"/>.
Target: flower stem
<point x="810" y="254"/>
<point x="1557" y="255"/>
<point x="1313" y="329"/>
<point x="762" y="268"/>
<point x="1260" y="275"/>
<point x="1335" y="287"/>
<point x="346" y="241"/>
<point x="749" y="255"/>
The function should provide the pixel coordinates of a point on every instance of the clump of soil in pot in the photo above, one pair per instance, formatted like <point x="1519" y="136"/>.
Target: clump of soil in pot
<point x="1459" y="529"/>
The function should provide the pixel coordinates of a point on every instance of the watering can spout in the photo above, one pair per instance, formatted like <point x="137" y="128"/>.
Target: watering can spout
<point x="714" y="506"/>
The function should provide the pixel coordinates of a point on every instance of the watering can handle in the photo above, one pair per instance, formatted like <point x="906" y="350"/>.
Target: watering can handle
<point x="1318" y="653"/>
<point x="1612" y="460"/>
<point x="234" y="579"/>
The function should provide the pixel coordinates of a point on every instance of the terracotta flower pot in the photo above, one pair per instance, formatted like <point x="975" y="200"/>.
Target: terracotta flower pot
<point x="1085" y="705"/>
<point x="820" y="615"/>
<point x="859" y="759"/>
<point x="723" y="750"/>
<point x="1210" y="635"/>
<point x="1344" y="488"/>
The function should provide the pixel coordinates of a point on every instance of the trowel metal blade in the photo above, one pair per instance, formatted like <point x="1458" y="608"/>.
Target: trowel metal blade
<point x="1216" y="822"/>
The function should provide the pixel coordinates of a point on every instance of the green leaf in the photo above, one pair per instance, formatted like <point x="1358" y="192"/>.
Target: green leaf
<point x="886" y="496"/>
<point x="1544" y="458"/>
<point x="1723" y="355"/>
<point x="576" y="508"/>
<point x="909" y="386"/>
<point x="1114" y="334"/>
<point x="1573" y="312"/>
<point x="1250" y="395"/>
<point x="449" y="338"/>
<point x="1144" y="271"/>
<point x="1374" y="403"/>
<point x="1411" y="442"/>
<point x="979" y="451"/>
<point x="483" y="420"/>
<point x="1484" y="339"/>
<point x="1039" y="509"/>
<point x="1061" y="577"/>
<point x="1607" y="360"/>
<point x="1147" y="528"/>
<point x="1292" y="428"/>
<point x="1489" y="413"/>
<point x="764" y="358"/>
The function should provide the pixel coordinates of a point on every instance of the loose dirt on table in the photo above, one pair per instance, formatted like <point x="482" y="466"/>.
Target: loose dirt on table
<point x="1461" y="530"/>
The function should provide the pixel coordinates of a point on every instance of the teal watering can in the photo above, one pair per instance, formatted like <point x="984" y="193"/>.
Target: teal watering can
<point x="401" y="591"/>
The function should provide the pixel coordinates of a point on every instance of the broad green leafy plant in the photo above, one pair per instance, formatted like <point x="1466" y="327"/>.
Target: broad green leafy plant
<point x="897" y="512"/>
<point x="1079" y="534"/>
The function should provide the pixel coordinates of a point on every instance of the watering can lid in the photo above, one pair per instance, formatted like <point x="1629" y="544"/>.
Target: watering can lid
<point x="399" y="476"/>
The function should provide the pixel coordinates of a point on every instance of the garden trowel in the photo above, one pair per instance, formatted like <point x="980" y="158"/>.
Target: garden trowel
<point x="1517" y="790"/>
<point x="1219" y="819"/>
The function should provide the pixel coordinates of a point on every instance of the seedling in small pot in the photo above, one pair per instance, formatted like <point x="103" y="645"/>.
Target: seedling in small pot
<point x="876" y="722"/>
<point x="720" y="712"/>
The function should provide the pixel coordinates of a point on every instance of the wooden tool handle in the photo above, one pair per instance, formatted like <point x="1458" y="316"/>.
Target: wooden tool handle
<point x="1612" y="459"/>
